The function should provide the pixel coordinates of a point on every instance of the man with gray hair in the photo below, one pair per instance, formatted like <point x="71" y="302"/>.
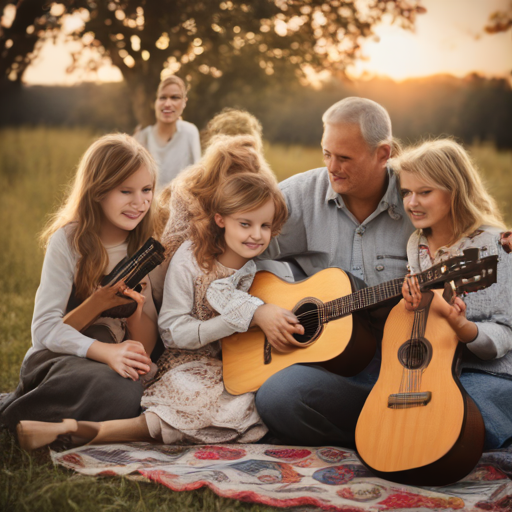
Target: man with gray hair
<point x="348" y="214"/>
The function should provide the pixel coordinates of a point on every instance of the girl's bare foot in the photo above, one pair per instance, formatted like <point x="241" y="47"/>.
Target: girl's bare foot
<point x="35" y="434"/>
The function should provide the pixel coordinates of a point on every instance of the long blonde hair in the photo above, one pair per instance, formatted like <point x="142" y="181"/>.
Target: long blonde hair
<point x="231" y="121"/>
<point x="241" y="192"/>
<point x="107" y="163"/>
<point x="172" y="80"/>
<point x="446" y="165"/>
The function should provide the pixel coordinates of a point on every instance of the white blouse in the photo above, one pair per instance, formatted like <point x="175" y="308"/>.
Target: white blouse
<point x="182" y="150"/>
<point x="179" y="328"/>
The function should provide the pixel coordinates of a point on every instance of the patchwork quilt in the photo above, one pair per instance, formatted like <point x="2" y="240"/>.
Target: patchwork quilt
<point x="328" y="478"/>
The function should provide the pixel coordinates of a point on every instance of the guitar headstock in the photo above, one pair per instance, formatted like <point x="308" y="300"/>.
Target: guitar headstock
<point x="466" y="273"/>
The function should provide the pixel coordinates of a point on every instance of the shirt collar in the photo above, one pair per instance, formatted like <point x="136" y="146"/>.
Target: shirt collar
<point x="391" y="201"/>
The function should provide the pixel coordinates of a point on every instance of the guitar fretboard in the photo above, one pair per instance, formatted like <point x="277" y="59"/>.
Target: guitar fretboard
<point x="372" y="295"/>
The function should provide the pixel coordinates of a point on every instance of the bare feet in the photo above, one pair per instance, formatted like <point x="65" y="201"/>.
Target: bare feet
<point x="35" y="434"/>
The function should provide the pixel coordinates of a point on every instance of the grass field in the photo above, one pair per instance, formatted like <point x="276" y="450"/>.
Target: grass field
<point x="35" y="166"/>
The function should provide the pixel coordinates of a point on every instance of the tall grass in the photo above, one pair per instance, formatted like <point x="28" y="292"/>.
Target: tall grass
<point x="36" y="165"/>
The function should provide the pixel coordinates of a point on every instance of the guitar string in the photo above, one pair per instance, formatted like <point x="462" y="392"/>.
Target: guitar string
<point x="362" y="298"/>
<point x="411" y="379"/>
<point x="351" y="301"/>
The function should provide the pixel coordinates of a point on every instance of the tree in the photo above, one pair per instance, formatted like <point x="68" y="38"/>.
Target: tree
<point x="500" y="21"/>
<point x="218" y="45"/>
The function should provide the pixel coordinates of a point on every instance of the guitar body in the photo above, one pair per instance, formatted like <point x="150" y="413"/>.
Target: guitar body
<point x="344" y="346"/>
<point x="436" y="443"/>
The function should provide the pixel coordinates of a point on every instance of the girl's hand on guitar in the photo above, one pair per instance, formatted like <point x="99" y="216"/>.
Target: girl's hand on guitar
<point x="128" y="359"/>
<point x="139" y="299"/>
<point x="455" y="313"/>
<point x="106" y="296"/>
<point x="279" y="325"/>
<point x="411" y="293"/>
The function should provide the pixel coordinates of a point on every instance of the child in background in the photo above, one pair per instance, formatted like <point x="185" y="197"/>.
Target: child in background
<point x="448" y="204"/>
<point x="72" y="370"/>
<point x="231" y="121"/>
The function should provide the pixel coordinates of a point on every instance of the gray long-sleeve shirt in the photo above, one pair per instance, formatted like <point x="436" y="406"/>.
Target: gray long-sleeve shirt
<point x="321" y="232"/>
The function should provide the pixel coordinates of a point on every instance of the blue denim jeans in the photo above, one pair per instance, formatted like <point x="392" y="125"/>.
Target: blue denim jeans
<point x="307" y="405"/>
<point x="493" y="396"/>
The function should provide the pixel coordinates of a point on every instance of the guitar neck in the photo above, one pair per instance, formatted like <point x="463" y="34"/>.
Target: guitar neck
<point x="361" y="299"/>
<point x="373" y="295"/>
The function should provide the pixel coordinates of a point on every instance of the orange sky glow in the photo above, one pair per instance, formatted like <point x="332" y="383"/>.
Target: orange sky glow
<point x="449" y="38"/>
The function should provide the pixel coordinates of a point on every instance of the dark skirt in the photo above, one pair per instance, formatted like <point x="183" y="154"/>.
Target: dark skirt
<point x="56" y="386"/>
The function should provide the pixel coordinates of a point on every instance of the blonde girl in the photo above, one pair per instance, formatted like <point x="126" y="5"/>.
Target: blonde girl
<point x="448" y="204"/>
<point x="81" y="366"/>
<point x="205" y="300"/>
<point x="173" y="142"/>
<point x="231" y="121"/>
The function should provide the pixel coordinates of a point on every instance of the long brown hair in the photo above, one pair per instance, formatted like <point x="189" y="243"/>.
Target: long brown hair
<point x="446" y="165"/>
<point x="107" y="163"/>
<point x="241" y="192"/>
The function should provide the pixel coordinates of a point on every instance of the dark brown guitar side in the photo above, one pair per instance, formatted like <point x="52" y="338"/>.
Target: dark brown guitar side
<point x="418" y="425"/>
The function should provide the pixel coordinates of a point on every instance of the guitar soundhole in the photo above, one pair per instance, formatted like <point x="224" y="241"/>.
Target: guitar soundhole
<point x="415" y="353"/>
<point x="307" y="313"/>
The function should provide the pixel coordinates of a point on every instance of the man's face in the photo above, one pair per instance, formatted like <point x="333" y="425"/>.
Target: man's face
<point x="354" y="169"/>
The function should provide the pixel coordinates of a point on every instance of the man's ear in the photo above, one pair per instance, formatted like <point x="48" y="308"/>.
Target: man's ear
<point x="383" y="154"/>
<point x="219" y="220"/>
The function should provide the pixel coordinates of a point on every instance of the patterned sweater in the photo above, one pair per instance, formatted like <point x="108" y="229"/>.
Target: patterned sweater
<point x="490" y="308"/>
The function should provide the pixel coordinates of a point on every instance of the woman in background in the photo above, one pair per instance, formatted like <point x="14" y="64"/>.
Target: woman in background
<point x="172" y="142"/>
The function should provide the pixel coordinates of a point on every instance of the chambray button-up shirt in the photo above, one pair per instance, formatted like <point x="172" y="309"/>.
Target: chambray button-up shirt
<point x="321" y="232"/>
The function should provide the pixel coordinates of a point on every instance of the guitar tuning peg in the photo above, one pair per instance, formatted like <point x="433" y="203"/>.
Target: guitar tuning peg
<point x="450" y="291"/>
<point x="472" y="253"/>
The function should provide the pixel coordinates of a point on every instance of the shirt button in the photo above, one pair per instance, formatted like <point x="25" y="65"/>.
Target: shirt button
<point x="379" y="268"/>
<point x="385" y="204"/>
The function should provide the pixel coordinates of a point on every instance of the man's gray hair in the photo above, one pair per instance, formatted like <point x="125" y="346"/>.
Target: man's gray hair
<point x="372" y="118"/>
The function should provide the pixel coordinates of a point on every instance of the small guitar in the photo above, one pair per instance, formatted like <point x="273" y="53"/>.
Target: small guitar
<point x="418" y="425"/>
<point x="327" y="306"/>
<point x="130" y="269"/>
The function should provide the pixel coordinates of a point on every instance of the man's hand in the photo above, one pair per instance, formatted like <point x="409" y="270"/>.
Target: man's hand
<point x="279" y="325"/>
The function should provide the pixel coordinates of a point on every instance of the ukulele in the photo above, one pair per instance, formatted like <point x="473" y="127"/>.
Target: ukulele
<point x="335" y="336"/>
<point x="418" y="425"/>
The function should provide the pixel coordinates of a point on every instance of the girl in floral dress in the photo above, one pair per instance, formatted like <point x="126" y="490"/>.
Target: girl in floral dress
<point x="204" y="300"/>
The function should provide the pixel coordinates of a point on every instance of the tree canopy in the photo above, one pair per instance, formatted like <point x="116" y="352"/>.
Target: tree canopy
<point x="217" y="45"/>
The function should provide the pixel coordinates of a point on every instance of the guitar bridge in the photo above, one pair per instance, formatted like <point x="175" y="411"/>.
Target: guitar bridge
<point x="407" y="400"/>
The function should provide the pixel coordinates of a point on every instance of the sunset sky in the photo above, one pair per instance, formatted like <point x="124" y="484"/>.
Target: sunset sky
<point x="449" y="38"/>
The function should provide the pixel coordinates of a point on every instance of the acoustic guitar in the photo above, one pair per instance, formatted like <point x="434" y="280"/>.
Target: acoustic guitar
<point x="418" y="425"/>
<point x="335" y="336"/>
